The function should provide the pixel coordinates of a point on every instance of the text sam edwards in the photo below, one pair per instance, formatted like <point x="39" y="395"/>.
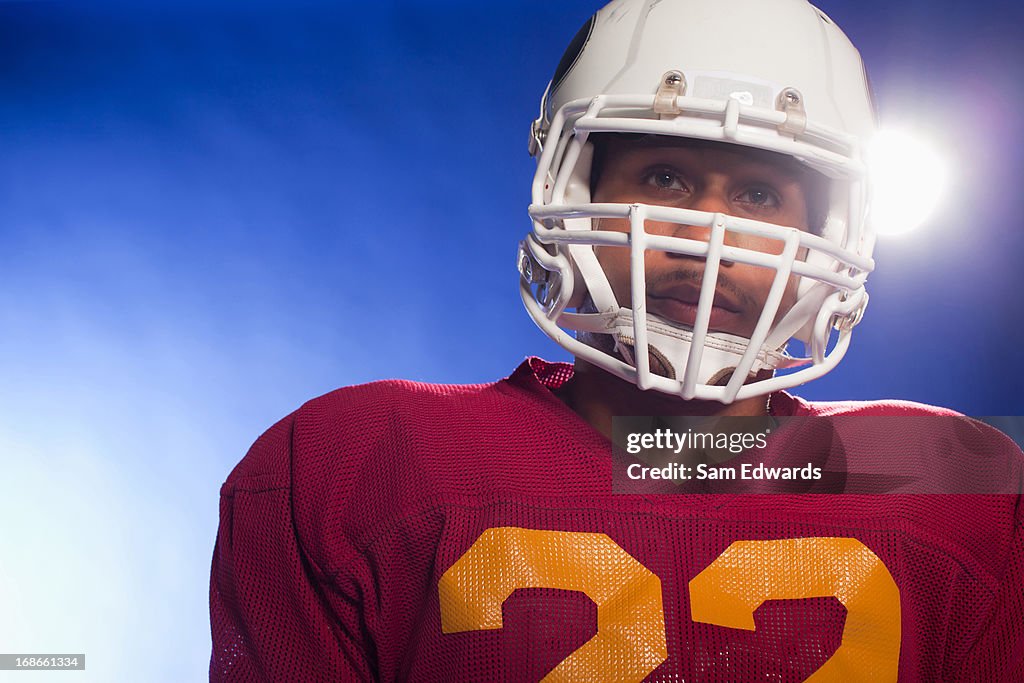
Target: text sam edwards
<point x="746" y="471"/>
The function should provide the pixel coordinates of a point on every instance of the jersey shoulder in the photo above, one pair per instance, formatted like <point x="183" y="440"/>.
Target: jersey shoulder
<point x="358" y="458"/>
<point x="352" y="420"/>
<point x="885" y="407"/>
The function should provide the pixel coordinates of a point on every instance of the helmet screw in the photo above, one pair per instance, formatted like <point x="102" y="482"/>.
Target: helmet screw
<point x="673" y="85"/>
<point x="791" y="103"/>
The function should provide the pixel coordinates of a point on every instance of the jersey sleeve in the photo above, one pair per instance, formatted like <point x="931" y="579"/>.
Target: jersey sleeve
<point x="274" y="614"/>
<point x="998" y="653"/>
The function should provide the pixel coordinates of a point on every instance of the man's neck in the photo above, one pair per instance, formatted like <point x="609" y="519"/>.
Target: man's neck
<point x="597" y="396"/>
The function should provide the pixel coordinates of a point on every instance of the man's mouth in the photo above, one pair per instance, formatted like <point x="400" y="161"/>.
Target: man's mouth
<point x="679" y="304"/>
<point x="685" y="313"/>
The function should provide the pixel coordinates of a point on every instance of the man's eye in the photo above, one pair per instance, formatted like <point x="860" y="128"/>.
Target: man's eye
<point x="759" y="197"/>
<point x="665" y="180"/>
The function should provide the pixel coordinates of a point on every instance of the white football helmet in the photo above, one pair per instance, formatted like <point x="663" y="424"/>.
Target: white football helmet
<point x="777" y="75"/>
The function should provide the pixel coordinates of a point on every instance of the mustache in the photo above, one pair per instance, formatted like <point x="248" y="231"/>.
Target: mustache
<point x="695" y="276"/>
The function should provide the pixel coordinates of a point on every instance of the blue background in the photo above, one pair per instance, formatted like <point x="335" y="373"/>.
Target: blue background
<point x="210" y="213"/>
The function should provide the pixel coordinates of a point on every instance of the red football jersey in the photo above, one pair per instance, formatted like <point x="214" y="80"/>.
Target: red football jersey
<point x="405" y="531"/>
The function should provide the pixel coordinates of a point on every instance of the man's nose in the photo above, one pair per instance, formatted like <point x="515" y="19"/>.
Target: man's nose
<point x="708" y="202"/>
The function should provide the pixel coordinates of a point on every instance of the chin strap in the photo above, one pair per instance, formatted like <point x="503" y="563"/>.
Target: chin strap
<point x="669" y="344"/>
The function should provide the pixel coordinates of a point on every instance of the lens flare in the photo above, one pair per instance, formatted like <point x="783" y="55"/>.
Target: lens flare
<point x="909" y="178"/>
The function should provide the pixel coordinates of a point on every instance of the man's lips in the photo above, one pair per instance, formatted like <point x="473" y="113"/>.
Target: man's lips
<point x="686" y="292"/>
<point x="685" y="313"/>
<point x="679" y="304"/>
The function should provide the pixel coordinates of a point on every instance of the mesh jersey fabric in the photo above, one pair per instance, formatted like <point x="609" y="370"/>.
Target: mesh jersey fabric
<point x="406" y="531"/>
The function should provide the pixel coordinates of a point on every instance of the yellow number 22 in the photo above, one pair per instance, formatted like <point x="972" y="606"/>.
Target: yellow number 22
<point x="630" y="639"/>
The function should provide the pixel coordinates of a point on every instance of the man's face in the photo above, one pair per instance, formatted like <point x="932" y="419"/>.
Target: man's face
<point x="706" y="177"/>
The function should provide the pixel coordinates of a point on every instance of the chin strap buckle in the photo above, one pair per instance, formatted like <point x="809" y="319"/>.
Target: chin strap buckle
<point x="673" y="85"/>
<point x="529" y="269"/>
<point x="537" y="137"/>
<point x="847" y="322"/>
<point x="548" y="283"/>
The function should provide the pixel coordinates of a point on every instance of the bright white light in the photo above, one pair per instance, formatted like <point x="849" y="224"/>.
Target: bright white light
<point x="909" y="178"/>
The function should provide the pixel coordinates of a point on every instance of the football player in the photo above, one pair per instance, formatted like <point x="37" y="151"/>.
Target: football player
<point x="699" y="244"/>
